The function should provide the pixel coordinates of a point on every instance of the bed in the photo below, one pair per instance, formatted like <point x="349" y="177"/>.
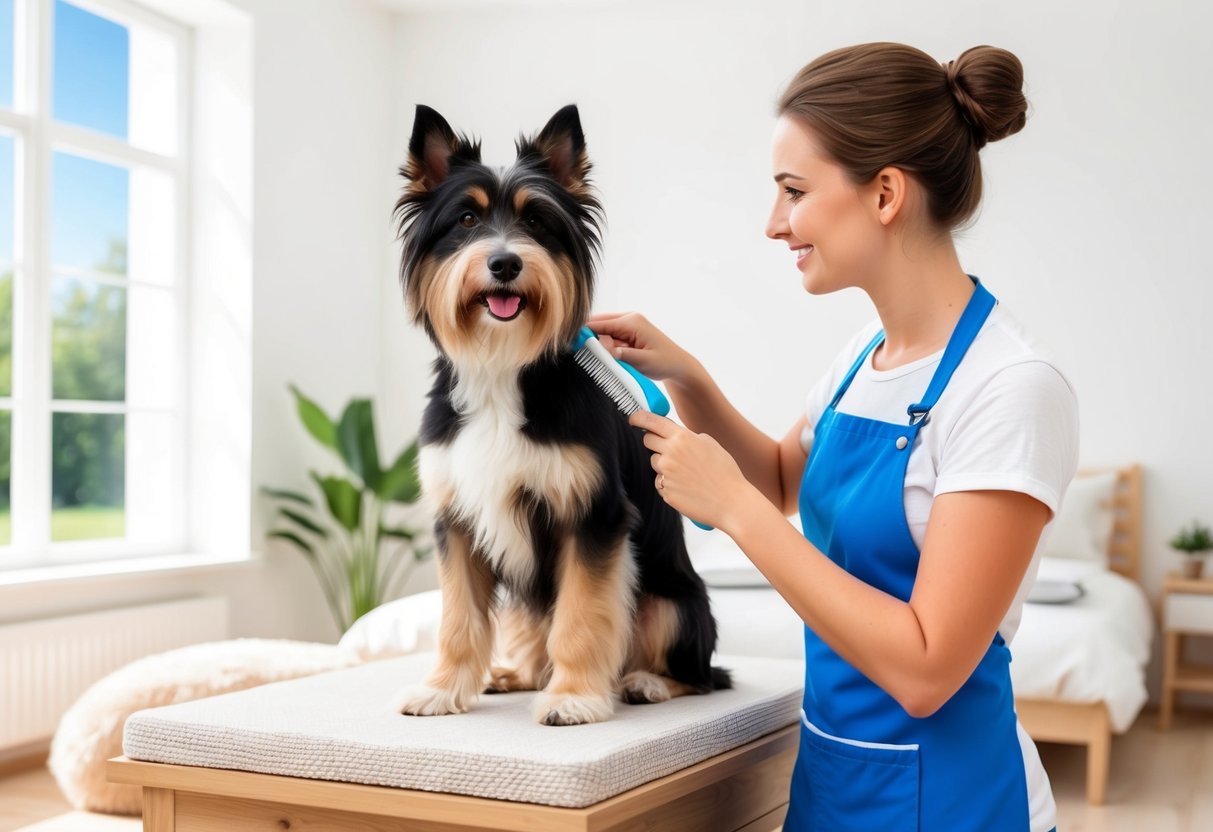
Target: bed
<point x="1059" y="702"/>
<point x="1080" y="689"/>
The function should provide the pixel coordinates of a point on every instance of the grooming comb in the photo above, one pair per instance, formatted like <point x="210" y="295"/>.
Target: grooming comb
<point x="630" y="389"/>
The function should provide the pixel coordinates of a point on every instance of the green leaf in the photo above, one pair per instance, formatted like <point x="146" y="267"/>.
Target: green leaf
<point x="297" y="540"/>
<point x="282" y="494"/>
<point x="344" y="500"/>
<point x="316" y="421"/>
<point x="304" y="521"/>
<point x="356" y="435"/>
<point x="400" y="483"/>
<point x="406" y="534"/>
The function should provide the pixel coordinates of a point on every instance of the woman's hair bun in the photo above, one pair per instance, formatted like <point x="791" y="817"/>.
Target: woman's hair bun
<point x="987" y="83"/>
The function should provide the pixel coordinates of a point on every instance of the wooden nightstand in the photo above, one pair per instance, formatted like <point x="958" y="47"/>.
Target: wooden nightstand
<point x="1187" y="609"/>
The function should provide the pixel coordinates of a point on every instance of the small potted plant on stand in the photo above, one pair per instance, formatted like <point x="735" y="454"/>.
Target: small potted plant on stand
<point x="1195" y="542"/>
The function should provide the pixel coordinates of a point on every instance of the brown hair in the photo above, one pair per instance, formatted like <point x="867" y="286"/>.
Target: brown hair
<point x="887" y="104"/>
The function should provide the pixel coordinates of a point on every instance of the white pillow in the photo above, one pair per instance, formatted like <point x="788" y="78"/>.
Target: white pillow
<point x="1082" y="528"/>
<point x="407" y="625"/>
<point x="1068" y="570"/>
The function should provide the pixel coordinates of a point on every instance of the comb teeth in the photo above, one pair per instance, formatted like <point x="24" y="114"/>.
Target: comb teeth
<point x="606" y="381"/>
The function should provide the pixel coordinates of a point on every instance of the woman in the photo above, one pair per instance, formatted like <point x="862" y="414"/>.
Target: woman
<point x="926" y="466"/>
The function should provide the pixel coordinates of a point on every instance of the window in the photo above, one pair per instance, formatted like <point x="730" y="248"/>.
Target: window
<point x="93" y="317"/>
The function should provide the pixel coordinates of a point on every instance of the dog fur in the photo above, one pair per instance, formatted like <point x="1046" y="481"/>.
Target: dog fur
<point x="556" y="553"/>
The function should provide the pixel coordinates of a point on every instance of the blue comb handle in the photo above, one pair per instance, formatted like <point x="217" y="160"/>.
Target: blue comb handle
<point x="654" y="398"/>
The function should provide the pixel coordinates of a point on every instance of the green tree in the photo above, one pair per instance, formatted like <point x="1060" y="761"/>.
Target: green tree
<point x="88" y="362"/>
<point x="6" y="333"/>
<point x="88" y="349"/>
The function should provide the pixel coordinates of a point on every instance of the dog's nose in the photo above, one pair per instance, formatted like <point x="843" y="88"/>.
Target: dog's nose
<point x="505" y="266"/>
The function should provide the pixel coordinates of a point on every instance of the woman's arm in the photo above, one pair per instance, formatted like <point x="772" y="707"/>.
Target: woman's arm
<point x="773" y="467"/>
<point x="976" y="550"/>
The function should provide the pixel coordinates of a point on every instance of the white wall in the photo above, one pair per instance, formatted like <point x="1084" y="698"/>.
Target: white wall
<point x="1088" y="229"/>
<point x="323" y="127"/>
<point x="323" y="118"/>
<point x="1091" y="231"/>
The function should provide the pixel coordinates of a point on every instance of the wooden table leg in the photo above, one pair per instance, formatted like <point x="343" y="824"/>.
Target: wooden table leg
<point x="159" y="810"/>
<point x="1172" y="642"/>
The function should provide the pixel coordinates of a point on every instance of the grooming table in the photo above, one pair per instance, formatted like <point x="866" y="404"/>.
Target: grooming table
<point x="328" y="752"/>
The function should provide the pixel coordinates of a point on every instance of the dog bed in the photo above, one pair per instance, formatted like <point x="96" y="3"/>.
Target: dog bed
<point x="340" y="726"/>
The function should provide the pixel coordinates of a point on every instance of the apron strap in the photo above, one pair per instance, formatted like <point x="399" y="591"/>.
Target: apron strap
<point x="850" y="376"/>
<point x="971" y="321"/>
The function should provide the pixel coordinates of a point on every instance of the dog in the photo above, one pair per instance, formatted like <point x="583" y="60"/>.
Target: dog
<point x="551" y="537"/>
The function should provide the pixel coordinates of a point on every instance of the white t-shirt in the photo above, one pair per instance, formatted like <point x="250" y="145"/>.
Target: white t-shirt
<point x="1007" y="420"/>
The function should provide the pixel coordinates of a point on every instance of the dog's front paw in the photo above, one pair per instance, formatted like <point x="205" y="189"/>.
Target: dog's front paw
<point x="571" y="709"/>
<point x="423" y="700"/>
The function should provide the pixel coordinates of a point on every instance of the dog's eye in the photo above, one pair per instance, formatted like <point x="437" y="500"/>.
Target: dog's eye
<point x="467" y="219"/>
<point x="531" y="222"/>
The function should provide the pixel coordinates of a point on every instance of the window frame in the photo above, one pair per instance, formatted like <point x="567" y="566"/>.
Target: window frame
<point x="37" y="138"/>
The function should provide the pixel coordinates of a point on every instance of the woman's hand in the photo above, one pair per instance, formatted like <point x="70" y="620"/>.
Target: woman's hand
<point x="695" y="475"/>
<point x="630" y="337"/>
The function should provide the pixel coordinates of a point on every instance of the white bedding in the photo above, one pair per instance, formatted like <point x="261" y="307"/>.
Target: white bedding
<point x="1089" y="650"/>
<point x="1092" y="649"/>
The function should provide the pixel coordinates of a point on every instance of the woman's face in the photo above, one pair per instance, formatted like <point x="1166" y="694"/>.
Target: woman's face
<point x="827" y="221"/>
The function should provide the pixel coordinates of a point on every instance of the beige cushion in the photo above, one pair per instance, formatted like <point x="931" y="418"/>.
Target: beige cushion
<point x="342" y="726"/>
<point x="91" y="731"/>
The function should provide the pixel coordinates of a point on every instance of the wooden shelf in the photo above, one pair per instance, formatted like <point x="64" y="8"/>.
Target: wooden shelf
<point x="1187" y="605"/>
<point x="1176" y="582"/>
<point x="1193" y="677"/>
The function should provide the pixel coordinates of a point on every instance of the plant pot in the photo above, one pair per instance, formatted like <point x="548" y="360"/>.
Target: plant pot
<point x="1194" y="567"/>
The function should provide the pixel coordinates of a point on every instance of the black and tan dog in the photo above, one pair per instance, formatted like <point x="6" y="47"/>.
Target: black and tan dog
<point x="551" y="535"/>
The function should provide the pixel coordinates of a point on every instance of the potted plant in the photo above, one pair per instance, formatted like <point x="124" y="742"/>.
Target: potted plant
<point x="1195" y="542"/>
<point x="359" y="559"/>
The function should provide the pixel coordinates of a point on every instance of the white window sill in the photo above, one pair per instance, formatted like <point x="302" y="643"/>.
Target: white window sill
<point x="141" y="566"/>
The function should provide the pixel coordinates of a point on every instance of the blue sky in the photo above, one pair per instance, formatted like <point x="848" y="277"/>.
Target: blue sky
<point x="92" y="58"/>
<point x="6" y="53"/>
<point x="6" y="142"/>
<point x="90" y="89"/>
<point x="89" y="199"/>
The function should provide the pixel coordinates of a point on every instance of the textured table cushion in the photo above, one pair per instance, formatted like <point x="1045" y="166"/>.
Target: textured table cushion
<point x="340" y="726"/>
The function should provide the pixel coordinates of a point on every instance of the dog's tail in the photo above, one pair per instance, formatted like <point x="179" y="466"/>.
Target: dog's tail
<point x="721" y="679"/>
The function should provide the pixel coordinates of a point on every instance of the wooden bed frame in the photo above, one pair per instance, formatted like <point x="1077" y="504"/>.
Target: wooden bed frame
<point x="1051" y="720"/>
<point x="743" y="790"/>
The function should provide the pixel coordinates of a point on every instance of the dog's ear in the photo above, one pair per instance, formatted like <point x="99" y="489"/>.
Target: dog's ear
<point x="432" y="148"/>
<point x="561" y="144"/>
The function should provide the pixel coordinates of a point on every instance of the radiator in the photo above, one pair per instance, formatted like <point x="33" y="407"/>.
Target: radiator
<point x="46" y="664"/>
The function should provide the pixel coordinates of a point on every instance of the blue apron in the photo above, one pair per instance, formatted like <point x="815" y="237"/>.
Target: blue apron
<point x="864" y="764"/>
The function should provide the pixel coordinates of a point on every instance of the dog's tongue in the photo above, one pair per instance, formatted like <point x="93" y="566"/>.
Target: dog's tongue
<point x="504" y="306"/>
